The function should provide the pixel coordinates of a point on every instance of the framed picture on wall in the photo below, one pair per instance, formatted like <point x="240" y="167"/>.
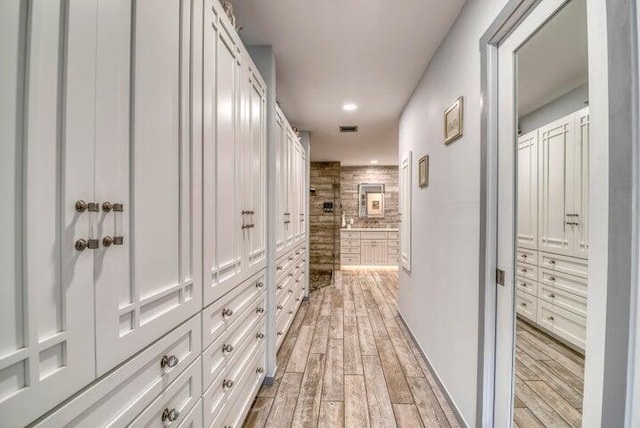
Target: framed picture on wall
<point x="453" y="121"/>
<point x="423" y="171"/>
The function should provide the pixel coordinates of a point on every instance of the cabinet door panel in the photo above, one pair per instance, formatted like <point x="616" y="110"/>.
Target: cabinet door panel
<point x="280" y="185"/>
<point x="556" y="149"/>
<point x="581" y="194"/>
<point x="528" y="190"/>
<point x="46" y="164"/>
<point x="145" y="160"/>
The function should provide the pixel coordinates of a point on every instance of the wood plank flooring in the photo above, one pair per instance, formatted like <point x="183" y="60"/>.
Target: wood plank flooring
<point x="348" y="361"/>
<point x="549" y="381"/>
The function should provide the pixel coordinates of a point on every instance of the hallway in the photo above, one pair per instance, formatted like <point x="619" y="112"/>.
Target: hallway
<point x="347" y="343"/>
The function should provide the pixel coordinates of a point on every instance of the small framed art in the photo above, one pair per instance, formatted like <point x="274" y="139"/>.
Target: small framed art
<point x="453" y="121"/>
<point x="423" y="171"/>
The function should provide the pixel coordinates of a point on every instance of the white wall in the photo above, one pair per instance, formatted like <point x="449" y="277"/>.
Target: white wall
<point x="439" y="297"/>
<point x="564" y="105"/>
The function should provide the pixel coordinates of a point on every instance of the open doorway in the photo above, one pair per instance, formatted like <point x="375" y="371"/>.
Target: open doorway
<point x="552" y="221"/>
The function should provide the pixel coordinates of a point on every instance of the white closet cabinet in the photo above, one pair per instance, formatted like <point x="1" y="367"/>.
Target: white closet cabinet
<point x="373" y="252"/>
<point x="563" y="180"/>
<point x="281" y="182"/>
<point x="405" y="211"/>
<point x="46" y="164"/>
<point x="147" y="164"/>
<point x="528" y="190"/>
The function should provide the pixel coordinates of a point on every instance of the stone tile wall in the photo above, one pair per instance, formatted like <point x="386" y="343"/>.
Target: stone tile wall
<point x="351" y="176"/>
<point x="324" y="236"/>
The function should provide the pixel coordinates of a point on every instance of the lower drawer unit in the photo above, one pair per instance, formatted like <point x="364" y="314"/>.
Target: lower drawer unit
<point x="350" y="259"/>
<point x="568" y="283"/>
<point x="564" y="264"/>
<point x="526" y="305"/>
<point x="563" y="323"/>
<point x="527" y="271"/>
<point x="564" y="300"/>
<point x="174" y="404"/>
<point x="121" y="396"/>
<point x="194" y="418"/>
<point x="527" y="285"/>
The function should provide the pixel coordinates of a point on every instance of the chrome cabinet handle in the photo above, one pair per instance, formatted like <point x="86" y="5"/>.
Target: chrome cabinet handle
<point x="552" y="262"/>
<point x="550" y="318"/>
<point x="260" y="336"/>
<point x="279" y="333"/>
<point x="107" y="241"/>
<point x="260" y="370"/>
<point x="227" y="312"/>
<point x="552" y="278"/>
<point x="279" y="268"/>
<point x="227" y="383"/>
<point x="169" y="361"/>
<point x="280" y="287"/>
<point x="83" y="244"/>
<point x="259" y="284"/>
<point x="227" y="348"/>
<point x="524" y="304"/>
<point x="260" y="310"/>
<point x="170" y="415"/>
<point x="279" y="306"/>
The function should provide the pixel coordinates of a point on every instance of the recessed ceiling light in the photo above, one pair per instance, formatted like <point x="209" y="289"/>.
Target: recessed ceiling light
<point x="374" y="162"/>
<point x="349" y="107"/>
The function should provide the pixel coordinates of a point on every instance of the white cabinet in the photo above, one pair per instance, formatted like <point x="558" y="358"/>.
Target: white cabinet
<point x="563" y="185"/>
<point x="368" y="247"/>
<point x="46" y="164"/>
<point x="405" y="211"/>
<point x="373" y="252"/>
<point x="528" y="190"/>
<point x="146" y="161"/>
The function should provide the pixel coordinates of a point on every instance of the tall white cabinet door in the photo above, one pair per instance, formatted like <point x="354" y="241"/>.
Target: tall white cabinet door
<point x="528" y="190"/>
<point x="289" y="192"/>
<point x="556" y="153"/>
<point x="255" y="171"/>
<point x="223" y="199"/>
<point x="405" y="211"/>
<point x="147" y="161"/>
<point x="280" y="149"/>
<point x="303" y="192"/>
<point x="581" y="193"/>
<point x="46" y="165"/>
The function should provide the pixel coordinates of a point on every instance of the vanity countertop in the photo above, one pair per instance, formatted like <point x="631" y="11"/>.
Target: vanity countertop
<point x="370" y="229"/>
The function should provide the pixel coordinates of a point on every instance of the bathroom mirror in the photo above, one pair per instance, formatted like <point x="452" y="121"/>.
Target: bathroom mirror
<point x="371" y="200"/>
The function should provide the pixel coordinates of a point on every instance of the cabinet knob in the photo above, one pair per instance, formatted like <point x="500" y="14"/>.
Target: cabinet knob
<point x="552" y="262"/>
<point x="260" y="370"/>
<point x="290" y="312"/>
<point x="83" y="244"/>
<point x="107" y="207"/>
<point x="259" y="284"/>
<point x="170" y="415"/>
<point x="168" y="361"/>
<point x="81" y="206"/>
<point x="227" y="348"/>
<point x="280" y="287"/>
<point x="550" y="318"/>
<point x="552" y="278"/>
<point x="107" y="241"/>
<point x="260" y="310"/>
<point x="524" y="304"/>
<point x="552" y="296"/>
<point x="227" y="312"/>
<point x="279" y="268"/>
<point x="260" y="336"/>
<point x="279" y="306"/>
<point x="227" y="383"/>
<point x="290" y="291"/>
<point x="290" y="275"/>
<point x="279" y="333"/>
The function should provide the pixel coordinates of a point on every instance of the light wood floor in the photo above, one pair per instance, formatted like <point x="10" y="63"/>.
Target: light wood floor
<point x="348" y="361"/>
<point x="549" y="381"/>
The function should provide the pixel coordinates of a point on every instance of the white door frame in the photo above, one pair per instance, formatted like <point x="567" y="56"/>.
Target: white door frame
<point x="613" y="204"/>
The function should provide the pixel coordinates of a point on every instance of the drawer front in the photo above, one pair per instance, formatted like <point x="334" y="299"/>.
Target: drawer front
<point x="374" y="235"/>
<point x="527" y="271"/>
<point x="565" y="324"/>
<point x="564" y="300"/>
<point x="393" y="243"/>
<point x="344" y="234"/>
<point x="221" y="314"/>
<point x="526" y="305"/>
<point x="526" y="255"/>
<point x="527" y="285"/>
<point x="564" y="264"/>
<point x="194" y="418"/>
<point x="122" y="395"/>
<point x="349" y="260"/>
<point x="174" y="404"/>
<point x="350" y="242"/>
<point x="394" y="260"/>
<point x="568" y="283"/>
<point x="350" y="250"/>
<point x="393" y="235"/>
<point x="393" y="251"/>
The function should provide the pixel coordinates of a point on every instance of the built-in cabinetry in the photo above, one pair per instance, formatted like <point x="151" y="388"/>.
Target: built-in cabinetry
<point x="134" y="152"/>
<point x="552" y="237"/>
<point x="369" y="247"/>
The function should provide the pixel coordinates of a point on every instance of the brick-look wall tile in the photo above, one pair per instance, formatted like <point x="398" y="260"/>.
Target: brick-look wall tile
<point x="324" y="234"/>
<point x="351" y="176"/>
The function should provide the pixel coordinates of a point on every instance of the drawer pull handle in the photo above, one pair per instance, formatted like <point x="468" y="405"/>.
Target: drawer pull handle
<point x="550" y="318"/>
<point x="297" y="253"/>
<point x="552" y="262"/>
<point x="290" y="275"/>
<point x="524" y="256"/>
<point x="297" y="299"/>
<point x="279" y="268"/>
<point x="260" y="310"/>
<point x="227" y="348"/>
<point x="297" y="281"/>
<point x="168" y="361"/>
<point x="260" y="336"/>
<point x="280" y="287"/>
<point x="227" y="312"/>
<point x="290" y="312"/>
<point x="290" y="259"/>
<point x="279" y="306"/>
<point x="524" y="284"/>
<point x="523" y="270"/>
<point x="227" y="383"/>
<point x="259" y="284"/>
<point x="552" y="278"/>
<point x="290" y="291"/>
<point x="552" y="296"/>
<point x="170" y="415"/>
<point x="279" y="333"/>
<point x="259" y="370"/>
<point x="524" y="304"/>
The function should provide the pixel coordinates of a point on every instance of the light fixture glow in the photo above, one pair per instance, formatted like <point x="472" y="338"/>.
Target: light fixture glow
<point x="374" y="162"/>
<point x="349" y="107"/>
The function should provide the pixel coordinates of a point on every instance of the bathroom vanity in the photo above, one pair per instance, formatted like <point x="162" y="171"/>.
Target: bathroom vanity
<point x="369" y="247"/>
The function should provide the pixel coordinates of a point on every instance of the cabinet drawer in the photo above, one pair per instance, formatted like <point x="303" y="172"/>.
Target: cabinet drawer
<point x="526" y="305"/>
<point x="565" y="324"/>
<point x="527" y="271"/>
<point x="394" y="260"/>
<point x="350" y="243"/>
<point x="349" y="235"/>
<point x="194" y="418"/>
<point x="393" y="251"/>
<point x="350" y="250"/>
<point x="564" y="300"/>
<point x="526" y="255"/>
<point x="122" y="395"/>
<point x="349" y="259"/>
<point x="564" y="264"/>
<point x="175" y="401"/>
<point x="527" y="285"/>
<point x="374" y="235"/>
<point x="571" y="284"/>
<point x="221" y="314"/>
<point x="393" y="235"/>
<point x="393" y="243"/>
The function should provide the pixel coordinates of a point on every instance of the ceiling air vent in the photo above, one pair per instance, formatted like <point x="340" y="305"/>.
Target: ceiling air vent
<point x="349" y="128"/>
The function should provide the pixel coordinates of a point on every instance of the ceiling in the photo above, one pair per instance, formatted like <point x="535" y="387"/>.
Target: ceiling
<point x="330" y="52"/>
<point x="554" y="61"/>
